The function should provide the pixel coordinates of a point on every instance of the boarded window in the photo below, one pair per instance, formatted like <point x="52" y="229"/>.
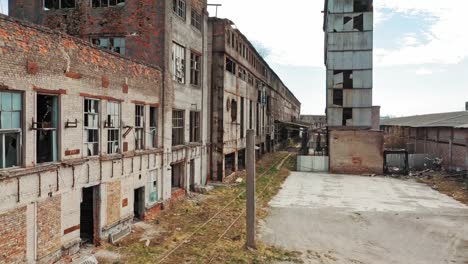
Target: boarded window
<point x="196" y="19"/>
<point x="230" y="66"/>
<point x="178" y="63"/>
<point x="154" y="127"/>
<point x="139" y="126"/>
<point x="362" y="6"/>
<point x="347" y="116"/>
<point x="115" y="44"/>
<point x="47" y="123"/>
<point x="91" y="127"/>
<point x="195" y="68"/>
<point x="194" y="126"/>
<point x="10" y="129"/>
<point x="178" y="6"/>
<point x="113" y="127"/>
<point x="338" y="97"/>
<point x="106" y="3"/>
<point x="178" y="127"/>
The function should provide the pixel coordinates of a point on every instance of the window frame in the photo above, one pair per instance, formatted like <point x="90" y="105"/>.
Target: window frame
<point x="179" y="7"/>
<point x="109" y="47"/>
<point x="178" y="49"/>
<point x="196" y="19"/>
<point x="179" y="139"/>
<point x="117" y="2"/>
<point x="195" y="68"/>
<point x="154" y="126"/>
<point x="59" y="5"/>
<point x="139" y="127"/>
<point x="97" y="128"/>
<point x="112" y="128"/>
<point x="18" y="132"/>
<point x="195" y="126"/>
<point x="55" y="129"/>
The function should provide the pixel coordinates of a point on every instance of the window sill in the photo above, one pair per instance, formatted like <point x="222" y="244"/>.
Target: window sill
<point x="21" y="171"/>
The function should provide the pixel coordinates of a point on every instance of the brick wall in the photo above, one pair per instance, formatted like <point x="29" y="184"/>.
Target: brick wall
<point x="13" y="236"/>
<point x="49" y="226"/>
<point x="356" y="152"/>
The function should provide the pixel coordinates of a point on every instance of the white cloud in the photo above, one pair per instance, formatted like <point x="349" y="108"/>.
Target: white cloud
<point x="445" y="41"/>
<point x="423" y="71"/>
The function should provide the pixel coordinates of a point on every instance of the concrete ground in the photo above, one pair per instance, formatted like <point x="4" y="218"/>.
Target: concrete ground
<point x="353" y="219"/>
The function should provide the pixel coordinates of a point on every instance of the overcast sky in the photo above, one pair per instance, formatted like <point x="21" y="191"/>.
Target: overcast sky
<point x="420" y="58"/>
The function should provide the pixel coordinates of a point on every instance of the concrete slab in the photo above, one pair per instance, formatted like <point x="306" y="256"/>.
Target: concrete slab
<point x="353" y="219"/>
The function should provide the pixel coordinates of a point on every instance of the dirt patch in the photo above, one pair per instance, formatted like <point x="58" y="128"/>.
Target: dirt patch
<point x="455" y="186"/>
<point x="182" y="238"/>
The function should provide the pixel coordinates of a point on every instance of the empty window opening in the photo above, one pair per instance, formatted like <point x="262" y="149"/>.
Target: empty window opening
<point x="113" y="127"/>
<point x="154" y="127"/>
<point x="46" y="135"/>
<point x="196" y="19"/>
<point x="194" y="126"/>
<point x="57" y="4"/>
<point x="178" y="63"/>
<point x="358" y="22"/>
<point x="178" y="127"/>
<point x="139" y="126"/>
<point x="347" y="19"/>
<point x="115" y="44"/>
<point x="139" y="203"/>
<point x="178" y="6"/>
<point x="153" y="186"/>
<point x="106" y="3"/>
<point x="347" y="116"/>
<point x="87" y="214"/>
<point x="362" y="6"/>
<point x="233" y="110"/>
<point x="343" y="79"/>
<point x="241" y="160"/>
<point x="195" y="60"/>
<point x="242" y="73"/>
<point x="242" y="118"/>
<point x="177" y="174"/>
<point x="91" y="127"/>
<point x="229" y="164"/>
<point x="10" y="129"/>
<point x="338" y="97"/>
<point x="230" y="66"/>
<point x="192" y="175"/>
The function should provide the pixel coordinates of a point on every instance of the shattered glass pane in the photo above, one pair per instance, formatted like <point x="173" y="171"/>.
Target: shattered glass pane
<point x="11" y="150"/>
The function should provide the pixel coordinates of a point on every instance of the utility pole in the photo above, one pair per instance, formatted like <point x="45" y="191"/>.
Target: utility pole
<point x="250" y="155"/>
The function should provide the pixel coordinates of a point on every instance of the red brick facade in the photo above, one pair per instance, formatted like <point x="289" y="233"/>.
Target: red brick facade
<point x="13" y="236"/>
<point x="49" y="226"/>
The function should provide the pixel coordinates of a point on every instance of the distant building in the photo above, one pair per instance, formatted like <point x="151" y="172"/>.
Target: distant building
<point x="315" y="121"/>
<point x="354" y="146"/>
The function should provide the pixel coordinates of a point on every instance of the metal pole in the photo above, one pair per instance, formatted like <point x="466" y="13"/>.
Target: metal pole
<point x="250" y="155"/>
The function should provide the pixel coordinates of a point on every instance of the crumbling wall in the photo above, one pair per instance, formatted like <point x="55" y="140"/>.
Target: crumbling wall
<point x="356" y="152"/>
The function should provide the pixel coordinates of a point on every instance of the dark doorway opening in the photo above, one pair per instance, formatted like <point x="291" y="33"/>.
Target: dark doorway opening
<point x="177" y="176"/>
<point x="229" y="164"/>
<point x="241" y="160"/>
<point x="88" y="214"/>
<point x="139" y="203"/>
<point x="192" y="175"/>
<point x="268" y="143"/>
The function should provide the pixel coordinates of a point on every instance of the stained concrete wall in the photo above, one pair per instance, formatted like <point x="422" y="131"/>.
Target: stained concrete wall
<point x="356" y="152"/>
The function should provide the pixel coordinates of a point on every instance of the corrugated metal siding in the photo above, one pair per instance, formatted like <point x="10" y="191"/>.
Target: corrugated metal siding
<point x="347" y="60"/>
<point x="362" y="117"/>
<point x="357" y="98"/>
<point x="350" y="41"/>
<point x="335" y="116"/>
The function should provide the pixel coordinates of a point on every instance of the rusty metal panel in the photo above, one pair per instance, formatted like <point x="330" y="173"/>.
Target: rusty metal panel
<point x="362" y="117"/>
<point x="335" y="116"/>
<point x="357" y="97"/>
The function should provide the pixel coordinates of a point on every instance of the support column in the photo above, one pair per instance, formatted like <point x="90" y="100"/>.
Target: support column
<point x="250" y="154"/>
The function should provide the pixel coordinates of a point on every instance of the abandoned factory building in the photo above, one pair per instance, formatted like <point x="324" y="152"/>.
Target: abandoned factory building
<point x="246" y="94"/>
<point x="110" y="110"/>
<point x="355" y="142"/>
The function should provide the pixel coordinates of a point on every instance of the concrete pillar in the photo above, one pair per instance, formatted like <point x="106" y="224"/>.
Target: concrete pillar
<point x="250" y="155"/>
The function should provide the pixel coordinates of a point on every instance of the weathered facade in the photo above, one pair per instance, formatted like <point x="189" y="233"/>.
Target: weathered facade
<point x="82" y="149"/>
<point x="167" y="34"/>
<point x="246" y="94"/>
<point x="442" y="135"/>
<point x="315" y="121"/>
<point x="348" y="26"/>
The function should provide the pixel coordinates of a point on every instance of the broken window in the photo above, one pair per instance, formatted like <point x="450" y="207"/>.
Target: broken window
<point x="153" y="186"/>
<point x="242" y="117"/>
<point x="178" y="63"/>
<point x="338" y="97"/>
<point x="113" y="127"/>
<point x="347" y="116"/>
<point x="178" y="6"/>
<point x="233" y="110"/>
<point x="250" y="79"/>
<point x="91" y="127"/>
<point x="343" y="79"/>
<point x="57" y="4"/>
<point x="178" y="127"/>
<point x="10" y="129"/>
<point x="106" y="3"/>
<point x="196" y="19"/>
<point x="154" y="127"/>
<point x="195" y="68"/>
<point x="194" y="126"/>
<point x="358" y="22"/>
<point x="362" y="6"/>
<point x="242" y="73"/>
<point x="47" y="123"/>
<point x="115" y="44"/>
<point x="139" y="126"/>
<point x="230" y="66"/>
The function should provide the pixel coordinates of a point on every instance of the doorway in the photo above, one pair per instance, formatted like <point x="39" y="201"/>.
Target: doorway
<point x="88" y="214"/>
<point x="192" y="175"/>
<point x="139" y="203"/>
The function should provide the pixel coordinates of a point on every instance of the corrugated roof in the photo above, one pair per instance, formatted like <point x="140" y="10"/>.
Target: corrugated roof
<point x="452" y="119"/>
